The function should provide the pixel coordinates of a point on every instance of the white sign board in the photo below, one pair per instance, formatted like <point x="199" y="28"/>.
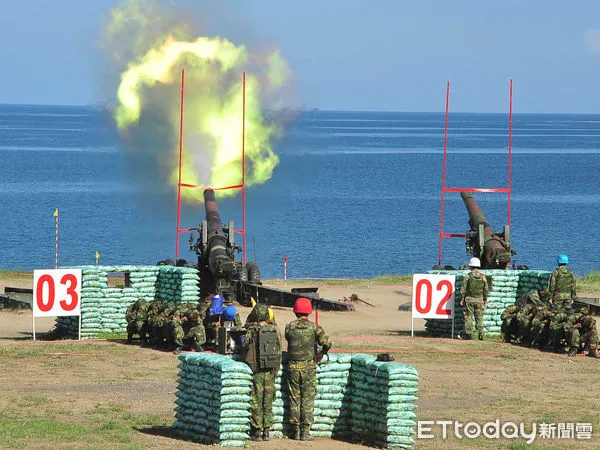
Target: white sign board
<point x="433" y="297"/>
<point x="56" y="292"/>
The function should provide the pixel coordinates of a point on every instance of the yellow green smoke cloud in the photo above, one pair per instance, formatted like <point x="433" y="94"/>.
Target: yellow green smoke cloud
<point x="212" y="138"/>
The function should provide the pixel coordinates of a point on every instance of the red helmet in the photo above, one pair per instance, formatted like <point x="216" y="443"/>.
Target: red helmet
<point x="303" y="306"/>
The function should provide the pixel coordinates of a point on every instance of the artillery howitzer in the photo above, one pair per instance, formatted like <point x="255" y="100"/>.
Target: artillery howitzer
<point x="219" y="272"/>
<point x="493" y="249"/>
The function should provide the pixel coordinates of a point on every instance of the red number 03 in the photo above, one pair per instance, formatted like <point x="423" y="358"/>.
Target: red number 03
<point x="46" y="305"/>
<point x="426" y="284"/>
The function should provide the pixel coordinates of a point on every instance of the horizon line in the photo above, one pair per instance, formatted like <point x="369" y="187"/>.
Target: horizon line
<point x="317" y="109"/>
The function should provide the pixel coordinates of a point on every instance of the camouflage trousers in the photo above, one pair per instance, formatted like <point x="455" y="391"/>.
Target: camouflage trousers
<point x="540" y="331"/>
<point x="510" y="328"/>
<point x="261" y="401"/>
<point x="195" y="337"/>
<point x="137" y="327"/>
<point x="302" y="389"/>
<point x="473" y="309"/>
<point x="588" y="337"/>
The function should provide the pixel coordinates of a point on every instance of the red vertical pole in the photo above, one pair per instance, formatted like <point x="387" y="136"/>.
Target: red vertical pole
<point x="244" y="165"/>
<point x="180" y="162"/>
<point x="510" y="127"/>
<point x="444" y="172"/>
<point x="56" y="253"/>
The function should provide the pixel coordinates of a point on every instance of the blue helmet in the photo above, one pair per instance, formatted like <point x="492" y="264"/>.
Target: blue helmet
<point x="229" y="313"/>
<point x="562" y="259"/>
<point x="216" y="306"/>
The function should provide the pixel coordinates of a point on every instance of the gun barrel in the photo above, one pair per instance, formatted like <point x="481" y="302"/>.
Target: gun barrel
<point x="219" y="262"/>
<point x="496" y="253"/>
<point x="476" y="215"/>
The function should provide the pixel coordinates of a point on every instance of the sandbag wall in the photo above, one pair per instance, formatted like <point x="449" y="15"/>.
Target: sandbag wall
<point x="103" y="308"/>
<point x="358" y="398"/>
<point x="505" y="287"/>
<point x="213" y="399"/>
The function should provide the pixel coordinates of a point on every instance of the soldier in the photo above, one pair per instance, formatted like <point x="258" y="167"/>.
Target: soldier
<point x="510" y="324"/>
<point x="302" y="338"/>
<point x="562" y="285"/>
<point x="137" y="317"/>
<point x="580" y="327"/>
<point x="262" y="352"/>
<point x="212" y="319"/>
<point x="540" y="326"/>
<point x="473" y="297"/>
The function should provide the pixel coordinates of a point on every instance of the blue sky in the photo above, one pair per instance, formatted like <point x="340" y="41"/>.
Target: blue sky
<point x="346" y="55"/>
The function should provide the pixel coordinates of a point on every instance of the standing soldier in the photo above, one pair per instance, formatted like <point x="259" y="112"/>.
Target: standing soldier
<point x="302" y="338"/>
<point x="473" y="297"/>
<point x="562" y="285"/>
<point x="262" y="352"/>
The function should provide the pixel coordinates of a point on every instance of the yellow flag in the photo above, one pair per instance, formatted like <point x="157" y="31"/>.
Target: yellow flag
<point x="252" y="302"/>
<point x="97" y="255"/>
<point x="56" y="213"/>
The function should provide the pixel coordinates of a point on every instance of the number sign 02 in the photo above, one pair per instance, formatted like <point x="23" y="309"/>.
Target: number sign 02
<point x="56" y="292"/>
<point x="433" y="296"/>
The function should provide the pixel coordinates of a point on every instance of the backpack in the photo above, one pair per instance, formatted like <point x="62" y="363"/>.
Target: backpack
<point x="268" y="351"/>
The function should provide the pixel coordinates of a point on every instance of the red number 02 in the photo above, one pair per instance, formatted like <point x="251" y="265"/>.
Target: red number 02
<point x="72" y="281"/>
<point x="442" y="284"/>
<point x="45" y="306"/>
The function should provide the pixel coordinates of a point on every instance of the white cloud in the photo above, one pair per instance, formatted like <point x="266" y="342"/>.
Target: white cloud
<point x="593" y="39"/>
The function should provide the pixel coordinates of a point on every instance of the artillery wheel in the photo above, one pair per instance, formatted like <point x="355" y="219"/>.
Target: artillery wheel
<point x="253" y="272"/>
<point x="244" y="273"/>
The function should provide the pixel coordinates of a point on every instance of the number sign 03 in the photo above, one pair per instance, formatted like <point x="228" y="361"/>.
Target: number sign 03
<point x="56" y="292"/>
<point x="433" y="296"/>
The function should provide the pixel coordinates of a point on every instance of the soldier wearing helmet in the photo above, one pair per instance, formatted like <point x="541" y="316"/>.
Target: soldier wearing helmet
<point x="473" y="298"/>
<point x="262" y="352"/>
<point x="302" y="338"/>
<point x="562" y="285"/>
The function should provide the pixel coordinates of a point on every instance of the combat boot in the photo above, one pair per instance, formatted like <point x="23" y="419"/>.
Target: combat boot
<point x="573" y="351"/>
<point x="593" y="353"/>
<point x="468" y="336"/>
<point x="297" y="434"/>
<point x="305" y="434"/>
<point x="177" y="350"/>
<point x="265" y="435"/>
<point x="255" y="434"/>
<point x="481" y="336"/>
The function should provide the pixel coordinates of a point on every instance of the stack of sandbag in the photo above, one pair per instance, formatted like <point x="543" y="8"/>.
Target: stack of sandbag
<point x="213" y="399"/>
<point x="178" y="284"/>
<point x="331" y="412"/>
<point x="103" y="308"/>
<point x="504" y="286"/>
<point x="533" y="280"/>
<point x="382" y="402"/>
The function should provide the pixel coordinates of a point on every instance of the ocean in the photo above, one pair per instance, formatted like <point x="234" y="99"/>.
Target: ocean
<point x="356" y="194"/>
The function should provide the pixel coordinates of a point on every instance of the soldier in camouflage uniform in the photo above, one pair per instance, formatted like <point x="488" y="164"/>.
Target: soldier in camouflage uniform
<point x="540" y="326"/>
<point x="510" y="324"/>
<point x="302" y="338"/>
<point x="264" y="367"/>
<point x="137" y="317"/>
<point x="580" y="328"/>
<point x="557" y="331"/>
<point x="562" y="286"/>
<point x="473" y="297"/>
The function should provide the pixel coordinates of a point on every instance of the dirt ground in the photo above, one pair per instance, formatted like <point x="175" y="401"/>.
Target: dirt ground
<point x="468" y="381"/>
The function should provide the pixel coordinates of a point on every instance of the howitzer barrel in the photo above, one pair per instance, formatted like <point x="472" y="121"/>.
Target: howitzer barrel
<point x="476" y="216"/>
<point x="495" y="253"/>
<point x="219" y="262"/>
